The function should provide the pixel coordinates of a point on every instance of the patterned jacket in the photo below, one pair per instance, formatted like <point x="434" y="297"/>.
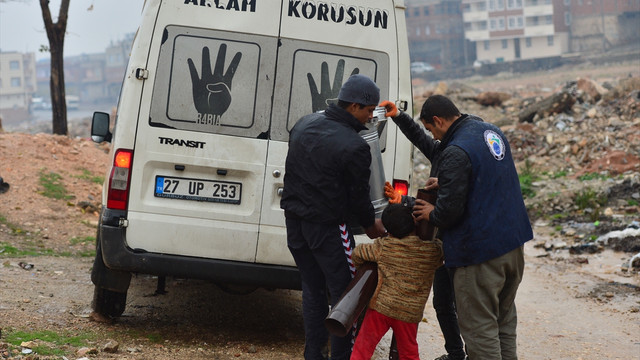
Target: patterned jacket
<point x="405" y="274"/>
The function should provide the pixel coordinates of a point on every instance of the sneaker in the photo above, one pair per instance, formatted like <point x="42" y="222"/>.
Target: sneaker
<point x="448" y="357"/>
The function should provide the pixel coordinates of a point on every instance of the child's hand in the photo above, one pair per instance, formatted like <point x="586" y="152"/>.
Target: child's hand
<point x="432" y="183"/>
<point x="392" y="194"/>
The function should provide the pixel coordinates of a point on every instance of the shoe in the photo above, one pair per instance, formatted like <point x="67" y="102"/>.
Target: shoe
<point x="447" y="357"/>
<point x="4" y="187"/>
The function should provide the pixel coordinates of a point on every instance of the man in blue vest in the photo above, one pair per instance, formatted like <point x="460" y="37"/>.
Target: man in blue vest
<point x="483" y="225"/>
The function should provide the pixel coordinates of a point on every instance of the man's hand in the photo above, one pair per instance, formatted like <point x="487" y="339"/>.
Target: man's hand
<point x="392" y="194"/>
<point x="376" y="230"/>
<point x="392" y="109"/>
<point x="422" y="210"/>
<point x="432" y="184"/>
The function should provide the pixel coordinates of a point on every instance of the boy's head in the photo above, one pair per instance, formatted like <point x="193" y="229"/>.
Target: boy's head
<point x="398" y="220"/>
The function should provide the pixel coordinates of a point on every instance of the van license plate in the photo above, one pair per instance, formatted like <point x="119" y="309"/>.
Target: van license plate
<point x="198" y="189"/>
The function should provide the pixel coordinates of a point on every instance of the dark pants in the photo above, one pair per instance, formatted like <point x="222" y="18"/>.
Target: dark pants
<point x="318" y="252"/>
<point x="445" y="307"/>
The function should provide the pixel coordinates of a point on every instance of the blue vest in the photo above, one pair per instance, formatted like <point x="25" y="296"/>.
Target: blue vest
<point x="495" y="219"/>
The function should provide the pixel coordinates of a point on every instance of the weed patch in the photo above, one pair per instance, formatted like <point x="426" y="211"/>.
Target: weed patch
<point x="84" y="240"/>
<point x="592" y="176"/>
<point x="47" y="342"/>
<point x="589" y="199"/>
<point x="15" y="229"/>
<point x="87" y="175"/>
<point x="527" y="177"/>
<point x="9" y="250"/>
<point x="53" y="186"/>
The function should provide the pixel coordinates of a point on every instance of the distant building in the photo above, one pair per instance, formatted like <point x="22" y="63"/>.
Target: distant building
<point x="17" y="83"/>
<point x="601" y="24"/>
<point x="436" y="34"/>
<point x="511" y="30"/>
<point x="93" y="78"/>
<point x="508" y="30"/>
<point x="117" y="57"/>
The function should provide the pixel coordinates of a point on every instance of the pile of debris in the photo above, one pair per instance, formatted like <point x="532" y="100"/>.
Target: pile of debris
<point x="579" y="146"/>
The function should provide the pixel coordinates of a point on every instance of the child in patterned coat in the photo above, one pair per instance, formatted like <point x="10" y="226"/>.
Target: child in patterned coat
<point x="406" y="265"/>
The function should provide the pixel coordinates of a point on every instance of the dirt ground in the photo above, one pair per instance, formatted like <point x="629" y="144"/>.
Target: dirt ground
<point x="570" y="306"/>
<point x="565" y="312"/>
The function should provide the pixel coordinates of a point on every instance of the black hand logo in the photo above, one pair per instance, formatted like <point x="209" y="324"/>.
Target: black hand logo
<point x="320" y="100"/>
<point x="212" y="91"/>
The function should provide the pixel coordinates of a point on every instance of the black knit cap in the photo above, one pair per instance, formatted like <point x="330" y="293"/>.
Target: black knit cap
<point x="398" y="220"/>
<point x="361" y="90"/>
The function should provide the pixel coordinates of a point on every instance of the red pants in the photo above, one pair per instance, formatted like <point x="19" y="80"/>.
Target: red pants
<point x="373" y="328"/>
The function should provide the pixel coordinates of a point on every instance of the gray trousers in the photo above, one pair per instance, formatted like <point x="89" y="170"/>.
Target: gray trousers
<point x="485" y="295"/>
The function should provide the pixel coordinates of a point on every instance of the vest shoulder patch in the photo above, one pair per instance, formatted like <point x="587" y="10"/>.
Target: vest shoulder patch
<point x="495" y="144"/>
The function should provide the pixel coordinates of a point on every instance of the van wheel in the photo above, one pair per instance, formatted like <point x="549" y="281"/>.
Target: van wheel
<point x="110" y="292"/>
<point x="108" y="303"/>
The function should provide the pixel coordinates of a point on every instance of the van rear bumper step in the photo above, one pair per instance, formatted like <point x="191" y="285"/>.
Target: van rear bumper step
<point x="118" y="256"/>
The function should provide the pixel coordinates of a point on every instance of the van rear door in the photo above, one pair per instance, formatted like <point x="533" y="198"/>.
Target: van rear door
<point x="202" y="136"/>
<point x="321" y="45"/>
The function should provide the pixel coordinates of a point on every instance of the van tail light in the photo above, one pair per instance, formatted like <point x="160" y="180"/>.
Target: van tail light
<point x="401" y="186"/>
<point x="119" y="180"/>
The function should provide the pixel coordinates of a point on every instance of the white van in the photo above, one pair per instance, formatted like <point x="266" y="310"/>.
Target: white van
<point x="211" y="92"/>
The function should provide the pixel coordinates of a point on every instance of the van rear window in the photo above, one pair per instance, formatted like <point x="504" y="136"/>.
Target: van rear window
<point x="207" y="81"/>
<point x="224" y="82"/>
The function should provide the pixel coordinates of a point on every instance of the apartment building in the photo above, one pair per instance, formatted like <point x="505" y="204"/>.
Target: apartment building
<point x="509" y="30"/>
<point x="117" y="57"/>
<point x="601" y="24"/>
<point x="436" y="34"/>
<point x="94" y="78"/>
<point x="17" y="83"/>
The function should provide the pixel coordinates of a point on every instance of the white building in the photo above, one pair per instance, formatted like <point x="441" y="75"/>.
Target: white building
<point x="17" y="83"/>
<point x="510" y="30"/>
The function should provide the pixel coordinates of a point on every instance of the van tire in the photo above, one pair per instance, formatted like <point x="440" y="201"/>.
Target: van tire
<point x="110" y="292"/>
<point x="108" y="303"/>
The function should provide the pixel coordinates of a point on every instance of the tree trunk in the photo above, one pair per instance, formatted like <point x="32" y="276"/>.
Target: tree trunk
<point x="55" y="33"/>
<point x="554" y="104"/>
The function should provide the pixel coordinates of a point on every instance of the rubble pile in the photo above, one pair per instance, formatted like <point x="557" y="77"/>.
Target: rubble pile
<point x="579" y="144"/>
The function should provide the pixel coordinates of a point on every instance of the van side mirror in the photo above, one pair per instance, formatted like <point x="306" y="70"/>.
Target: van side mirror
<point x="100" y="127"/>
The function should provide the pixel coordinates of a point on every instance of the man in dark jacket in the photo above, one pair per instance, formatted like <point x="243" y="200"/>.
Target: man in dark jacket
<point x="326" y="183"/>
<point x="443" y="296"/>
<point x="483" y="225"/>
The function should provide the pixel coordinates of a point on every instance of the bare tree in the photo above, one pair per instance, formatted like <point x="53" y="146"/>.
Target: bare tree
<point x="56" y="32"/>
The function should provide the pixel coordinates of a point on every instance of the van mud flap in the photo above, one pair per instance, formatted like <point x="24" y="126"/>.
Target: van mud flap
<point x="103" y="277"/>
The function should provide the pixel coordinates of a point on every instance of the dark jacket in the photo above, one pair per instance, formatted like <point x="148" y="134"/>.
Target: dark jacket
<point x="327" y="170"/>
<point x="457" y="224"/>
<point x="432" y="149"/>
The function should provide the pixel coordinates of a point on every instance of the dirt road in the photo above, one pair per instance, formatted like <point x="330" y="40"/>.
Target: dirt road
<point x="562" y="314"/>
<point x="567" y="314"/>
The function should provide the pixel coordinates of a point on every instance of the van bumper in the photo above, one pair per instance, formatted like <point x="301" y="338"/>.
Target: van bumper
<point x="118" y="256"/>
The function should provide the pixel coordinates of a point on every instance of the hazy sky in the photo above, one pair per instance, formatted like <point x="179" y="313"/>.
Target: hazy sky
<point x="88" y="31"/>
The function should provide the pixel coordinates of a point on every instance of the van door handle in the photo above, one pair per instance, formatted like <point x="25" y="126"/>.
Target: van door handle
<point x="279" y="191"/>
